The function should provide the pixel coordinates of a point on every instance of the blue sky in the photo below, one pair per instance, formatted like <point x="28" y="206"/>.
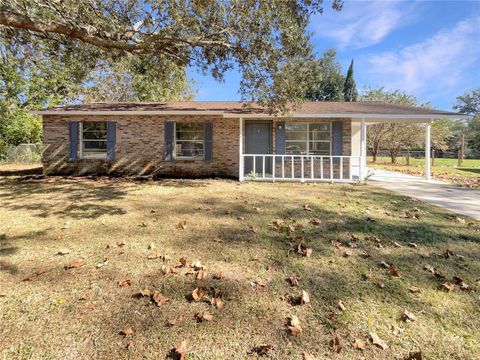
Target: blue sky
<point x="428" y="48"/>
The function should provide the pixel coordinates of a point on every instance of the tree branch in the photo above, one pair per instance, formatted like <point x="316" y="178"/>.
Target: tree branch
<point x="102" y="40"/>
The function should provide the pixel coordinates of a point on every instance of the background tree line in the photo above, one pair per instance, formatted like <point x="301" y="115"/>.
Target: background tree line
<point x="331" y="85"/>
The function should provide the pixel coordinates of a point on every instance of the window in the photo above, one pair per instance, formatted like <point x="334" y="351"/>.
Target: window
<point x="189" y="140"/>
<point x="308" y="138"/>
<point x="93" y="140"/>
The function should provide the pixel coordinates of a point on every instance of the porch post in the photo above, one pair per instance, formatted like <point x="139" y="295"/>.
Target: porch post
<point x="241" y="168"/>
<point x="363" y="149"/>
<point x="428" y="173"/>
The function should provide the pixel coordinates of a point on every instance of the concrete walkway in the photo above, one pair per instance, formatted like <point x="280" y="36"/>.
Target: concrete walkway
<point x="452" y="197"/>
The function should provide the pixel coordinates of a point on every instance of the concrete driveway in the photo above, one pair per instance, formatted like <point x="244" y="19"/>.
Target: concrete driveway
<point x="452" y="197"/>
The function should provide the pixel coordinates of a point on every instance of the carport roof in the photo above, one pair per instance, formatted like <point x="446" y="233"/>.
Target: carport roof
<point x="330" y="109"/>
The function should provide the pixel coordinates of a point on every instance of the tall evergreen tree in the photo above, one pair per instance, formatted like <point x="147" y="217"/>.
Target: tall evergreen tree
<point x="329" y="79"/>
<point x="350" y="88"/>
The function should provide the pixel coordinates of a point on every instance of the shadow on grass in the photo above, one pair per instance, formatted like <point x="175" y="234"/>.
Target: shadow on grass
<point x="327" y="275"/>
<point x="472" y="170"/>
<point x="17" y="194"/>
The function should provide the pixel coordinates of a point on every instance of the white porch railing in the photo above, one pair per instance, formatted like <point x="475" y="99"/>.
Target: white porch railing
<point x="301" y="168"/>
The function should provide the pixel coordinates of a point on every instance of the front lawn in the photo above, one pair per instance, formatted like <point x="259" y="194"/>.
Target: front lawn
<point x="443" y="169"/>
<point x="378" y="261"/>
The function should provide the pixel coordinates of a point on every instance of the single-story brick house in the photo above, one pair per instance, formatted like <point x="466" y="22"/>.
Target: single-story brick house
<point x="321" y="141"/>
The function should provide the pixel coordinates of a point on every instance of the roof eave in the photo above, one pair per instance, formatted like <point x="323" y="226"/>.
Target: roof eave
<point x="236" y="115"/>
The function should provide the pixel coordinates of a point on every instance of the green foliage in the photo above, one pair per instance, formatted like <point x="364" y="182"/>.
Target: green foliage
<point x="470" y="104"/>
<point x="138" y="79"/>
<point x="267" y="41"/>
<point x="350" y="88"/>
<point x="17" y="127"/>
<point x="329" y="79"/>
<point x="395" y="136"/>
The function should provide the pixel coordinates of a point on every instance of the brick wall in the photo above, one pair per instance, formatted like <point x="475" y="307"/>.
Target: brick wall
<point x="140" y="146"/>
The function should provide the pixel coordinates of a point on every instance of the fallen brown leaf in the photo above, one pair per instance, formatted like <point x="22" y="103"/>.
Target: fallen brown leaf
<point x="182" y="225"/>
<point x="145" y="293"/>
<point x="203" y="316"/>
<point x="414" y="289"/>
<point x="64" y="252"/>
<point x="335" y="344"/>
<point x="124" y="282"/>
<point x="36" y="274"/>
<point x="173" y="322"/>
<point x="305" y="298"/>
<point x="303" y="250"/>
<point x="218" y="276"/>
<point x="359" y="344"/>
<point x="201" y="274"/>
<point x="73" y="265"/>
<point x="408" y="316"/>
<point x="377" y="341"/>
<point x="197" y="265"/>
<point x="260" y="282"/>
<point x="182" y="262"/>
<point x="198" y="294"/>
<point x="414" y="356"/>
<point x="308" y="356"/>
<point x="181" y="350"/>
<point x="315" y="221"/>
<point x="263" y="350"/>
<point x="394" y="271"/>
<point x="448" y="287"/>
<point x="159" y="299"/>
<point x="306" y="207"/>
<point x="126" y="331"/>
<point x="294" y="281"/>
<point x="294" y="327"/>
<point x="385" y="265"/>
<point x="342" y="306"/>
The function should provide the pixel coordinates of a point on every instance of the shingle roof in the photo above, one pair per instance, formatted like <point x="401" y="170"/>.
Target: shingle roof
<point x="239" y="108"/>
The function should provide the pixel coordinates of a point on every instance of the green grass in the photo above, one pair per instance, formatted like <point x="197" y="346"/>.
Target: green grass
<point x="443" y="169"/>
<point x="78" y="313"/>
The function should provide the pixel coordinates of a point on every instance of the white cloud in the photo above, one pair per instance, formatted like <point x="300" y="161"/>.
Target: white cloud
<point x="436" y="64"/>
<point x="364" y="23"/>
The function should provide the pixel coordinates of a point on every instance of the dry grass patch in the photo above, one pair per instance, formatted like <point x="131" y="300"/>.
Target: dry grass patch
<point x="124" y="237"/>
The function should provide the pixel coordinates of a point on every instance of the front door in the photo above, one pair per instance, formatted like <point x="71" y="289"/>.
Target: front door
<point x="258" y="140"/>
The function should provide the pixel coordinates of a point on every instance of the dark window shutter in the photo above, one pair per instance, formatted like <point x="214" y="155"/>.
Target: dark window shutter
<point x="111" y="139"/>
<point x="337" y="138"/>
<point x="208" y="133"/>
<point x="280" y="138"/>
<point x="169" y="137"/>
<point x="73" y="136"/>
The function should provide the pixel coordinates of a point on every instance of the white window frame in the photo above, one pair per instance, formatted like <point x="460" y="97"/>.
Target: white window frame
<point x="308" y="137"/>
<point x="175" y="157"/>
<point x="80" y="130"/>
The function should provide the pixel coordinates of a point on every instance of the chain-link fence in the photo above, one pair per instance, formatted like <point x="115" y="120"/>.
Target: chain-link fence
<point x="24" y="153"/>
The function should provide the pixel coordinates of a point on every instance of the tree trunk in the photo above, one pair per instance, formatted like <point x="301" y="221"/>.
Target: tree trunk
<point x="375" y="148"/>
<point x="408" y="157"/>
<point x="393" y="158"/>
<point x="433" y="156"/>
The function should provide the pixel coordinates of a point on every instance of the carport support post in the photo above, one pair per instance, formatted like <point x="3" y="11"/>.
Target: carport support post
<point x="363" y="149"/>
<point x="240" y="152"/>
<point x="428" y="171"/>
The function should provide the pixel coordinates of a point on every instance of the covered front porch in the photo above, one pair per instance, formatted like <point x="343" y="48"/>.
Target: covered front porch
<point x="314" y="148"/>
